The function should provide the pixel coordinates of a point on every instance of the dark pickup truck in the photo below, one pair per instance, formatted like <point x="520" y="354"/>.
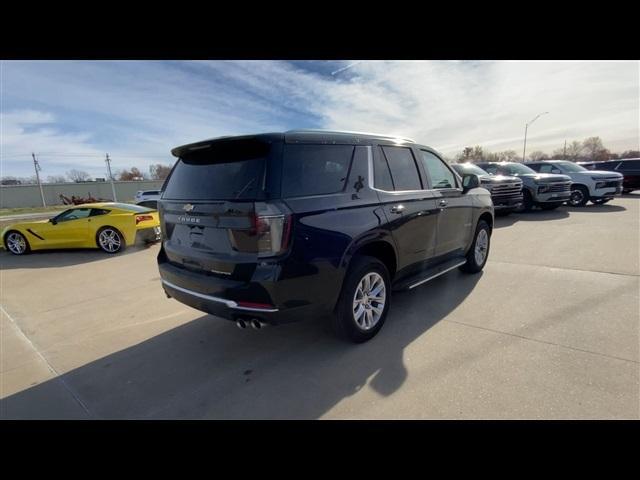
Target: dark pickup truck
<point x="506" y="191"/>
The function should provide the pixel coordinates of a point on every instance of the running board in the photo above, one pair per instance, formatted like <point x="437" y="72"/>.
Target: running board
<point x="429" y="274"/>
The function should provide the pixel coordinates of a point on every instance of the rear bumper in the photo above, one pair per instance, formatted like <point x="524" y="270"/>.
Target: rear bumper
<point x="148" y="235"/>
<point x="223" y="297"/>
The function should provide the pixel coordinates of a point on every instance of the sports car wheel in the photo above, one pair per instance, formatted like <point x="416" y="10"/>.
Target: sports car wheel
<point x="16" y="243"/>
<point x="110" y="240"/>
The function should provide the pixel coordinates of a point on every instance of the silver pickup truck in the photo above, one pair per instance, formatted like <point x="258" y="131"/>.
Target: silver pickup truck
<point x="544" y="190"/>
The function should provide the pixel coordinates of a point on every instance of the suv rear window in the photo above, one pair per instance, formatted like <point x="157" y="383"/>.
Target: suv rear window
<point x="225" y="170"/>
<point x="629" y="165"/>
<point x="315" y="169"/>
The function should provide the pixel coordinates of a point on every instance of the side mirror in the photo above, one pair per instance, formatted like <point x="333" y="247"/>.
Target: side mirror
<point x="469" y="182"/>
<point x="53" y="221"/>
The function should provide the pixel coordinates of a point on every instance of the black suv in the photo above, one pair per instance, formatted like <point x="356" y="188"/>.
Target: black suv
<point x="279" y="227"/>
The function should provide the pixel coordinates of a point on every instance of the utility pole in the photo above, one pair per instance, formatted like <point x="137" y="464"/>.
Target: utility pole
<point x="113" y="187"/>
<point x="526" y="127"/>
<point x="36" y="165"/>
<point x="564" y="155"/>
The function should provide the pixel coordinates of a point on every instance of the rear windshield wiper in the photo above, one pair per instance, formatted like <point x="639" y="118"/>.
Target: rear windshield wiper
<point x="245" y="187"/>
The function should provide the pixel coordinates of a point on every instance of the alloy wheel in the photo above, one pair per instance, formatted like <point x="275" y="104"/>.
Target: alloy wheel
<point x="481" y="247"/>
<point x="369" y="301"/>
<point x="110" y="240"/>
<point x="16" y="243"/>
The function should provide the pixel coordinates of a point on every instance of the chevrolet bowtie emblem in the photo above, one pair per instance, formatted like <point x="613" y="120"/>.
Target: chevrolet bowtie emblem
<point x="188" y="207"/>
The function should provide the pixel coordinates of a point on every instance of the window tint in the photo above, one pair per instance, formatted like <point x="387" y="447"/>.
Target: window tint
<point x="440" y="175"/>
<point x="381" y="173"/>
<point x="535" y="166"/>
<point x="315" y="169"/>
<point x="545" y="168"/>
<point x="404" y="170"/>
<point x="629" y="165"/>
<point x="73" y="214"/>
<point x="226" y="170"/>
<point x="492" y="169"/>
<point x="98" y="211"/>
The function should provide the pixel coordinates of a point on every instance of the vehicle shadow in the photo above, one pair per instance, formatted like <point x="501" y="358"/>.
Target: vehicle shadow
<point x="208" y="368"/>
<point x="591" y="208"/>
<point x="60" y="258"/>
<point x="532" y="216"/>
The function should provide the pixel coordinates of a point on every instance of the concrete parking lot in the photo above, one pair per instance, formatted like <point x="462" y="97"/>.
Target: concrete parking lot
<point x="549" y="330"/>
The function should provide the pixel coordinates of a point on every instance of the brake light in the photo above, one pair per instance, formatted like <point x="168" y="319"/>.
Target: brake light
<point x="269" y="232"/>
<point x="143" y="218"/>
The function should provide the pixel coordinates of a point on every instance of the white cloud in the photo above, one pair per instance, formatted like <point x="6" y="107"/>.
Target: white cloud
<point x="138" y="111"/>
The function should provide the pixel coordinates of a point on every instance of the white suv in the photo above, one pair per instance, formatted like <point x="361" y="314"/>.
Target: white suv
<point x="148" y="198"/>
<point x="597" y="186"/>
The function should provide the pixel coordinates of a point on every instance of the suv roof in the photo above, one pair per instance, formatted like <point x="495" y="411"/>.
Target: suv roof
<point x="302" y="136"/>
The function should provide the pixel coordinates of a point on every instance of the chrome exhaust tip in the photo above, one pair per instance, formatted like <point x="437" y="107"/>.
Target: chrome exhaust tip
<point x="241" y="324"/>
<point x="257" y="324"/>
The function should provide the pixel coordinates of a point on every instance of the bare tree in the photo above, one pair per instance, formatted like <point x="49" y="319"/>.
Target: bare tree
<point x="630" y="154"/>
<point x="56" y="179"/>
<point x="537" y="156"/>
<point x="595" y="149"/>
<point x="573" y="152"/>
<point x="78" y="176"/>
<point x="128" y="175"/>
<point x="159" y="171"/>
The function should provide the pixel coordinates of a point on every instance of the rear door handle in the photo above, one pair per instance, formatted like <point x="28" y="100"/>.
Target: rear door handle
<point x="397" y="209"/>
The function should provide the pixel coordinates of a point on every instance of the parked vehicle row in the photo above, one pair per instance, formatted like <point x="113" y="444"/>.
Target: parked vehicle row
<point x="506" y="190"/>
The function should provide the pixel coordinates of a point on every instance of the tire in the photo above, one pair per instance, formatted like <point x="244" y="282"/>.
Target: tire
<point x="550" y="206"/>
<point x="600" y="201"/>
<point x="527" y="201"/>
<point x="579" y="196"/>
<point x="110" y="240"/>
<point x="481" y="243"/>
<point x="345" y="323"/>
<point x="16" y="243"/>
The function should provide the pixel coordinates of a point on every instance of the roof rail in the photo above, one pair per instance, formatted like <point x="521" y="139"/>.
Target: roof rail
<point x="349" y="132"/>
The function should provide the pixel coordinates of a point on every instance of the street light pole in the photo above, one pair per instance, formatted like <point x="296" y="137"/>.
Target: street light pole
<point x="526" y="127"/>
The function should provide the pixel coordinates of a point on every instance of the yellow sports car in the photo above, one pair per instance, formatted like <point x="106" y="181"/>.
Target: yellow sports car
<point x="108" y="226"/>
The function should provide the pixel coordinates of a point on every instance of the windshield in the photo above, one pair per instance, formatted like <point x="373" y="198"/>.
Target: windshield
<point x="462" y="168"/>
<point x="225" y="170"/>
<point x="517" y="169"/>
<point x="571" y="167"/>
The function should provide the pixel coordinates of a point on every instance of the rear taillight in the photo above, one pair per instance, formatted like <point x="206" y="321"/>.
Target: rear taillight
<point x="143" y="218"/>
<point x="269" y="233"/>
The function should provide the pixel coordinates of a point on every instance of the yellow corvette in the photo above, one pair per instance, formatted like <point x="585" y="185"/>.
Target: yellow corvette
<point x="108" y="226"/>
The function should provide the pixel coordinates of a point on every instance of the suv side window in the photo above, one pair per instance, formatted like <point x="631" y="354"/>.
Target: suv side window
<point x="629" y="165"/>
<point x="439" y="173"/>
<point x="315" y="169"/>
<point x="547" y="168"/>
<point x="381" y="173"/>
<point x="404" y="171"/>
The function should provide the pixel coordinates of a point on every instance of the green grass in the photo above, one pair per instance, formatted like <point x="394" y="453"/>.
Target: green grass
<point x="17" y="211"/>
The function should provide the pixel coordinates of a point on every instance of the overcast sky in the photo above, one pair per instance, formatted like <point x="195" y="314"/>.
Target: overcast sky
<point x="72" y="113"/>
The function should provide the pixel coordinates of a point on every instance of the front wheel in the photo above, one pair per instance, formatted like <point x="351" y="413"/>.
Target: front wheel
<point x="527" y="202"/>
<point x="579" y="196"/>
<point x="16" y="243"/>
<point x="110" y="240"/>
<point x="479" y="251"/>
<point x="364" y="300"/>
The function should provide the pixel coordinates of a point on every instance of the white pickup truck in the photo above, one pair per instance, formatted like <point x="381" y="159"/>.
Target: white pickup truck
<point x="597" y="186"/>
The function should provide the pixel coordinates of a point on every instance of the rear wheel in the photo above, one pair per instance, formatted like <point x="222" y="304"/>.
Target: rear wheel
<point x="110" y="240"/>
<point x="579" y="196"/>
<point x="364" y="300"/>
<point x="16" y="243"/>
<point x="479" y="251"/>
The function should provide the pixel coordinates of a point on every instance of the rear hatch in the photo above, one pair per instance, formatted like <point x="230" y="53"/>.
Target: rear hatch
<point x="217" y="211"/>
